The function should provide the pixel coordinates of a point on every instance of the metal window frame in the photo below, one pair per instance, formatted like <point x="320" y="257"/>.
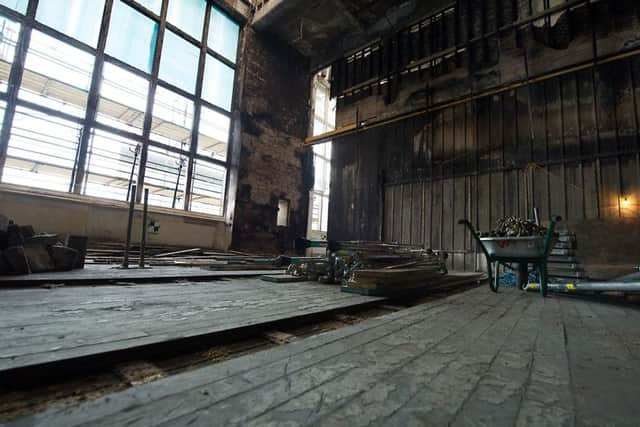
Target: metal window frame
<point x="28" y="23"/>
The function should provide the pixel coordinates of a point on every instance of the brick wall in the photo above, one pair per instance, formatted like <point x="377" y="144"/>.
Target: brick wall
<point x="273" y="163"/>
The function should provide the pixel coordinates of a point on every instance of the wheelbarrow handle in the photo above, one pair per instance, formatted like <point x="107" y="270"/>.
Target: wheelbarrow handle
<point x="463" y="221"/>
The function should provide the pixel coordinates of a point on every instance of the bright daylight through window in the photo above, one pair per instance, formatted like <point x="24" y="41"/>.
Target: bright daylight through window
<point x="143" y="120"/>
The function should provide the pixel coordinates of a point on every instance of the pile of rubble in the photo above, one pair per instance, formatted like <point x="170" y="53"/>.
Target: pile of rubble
<point x="22" y="251"/>
<point x="515" y="227"/>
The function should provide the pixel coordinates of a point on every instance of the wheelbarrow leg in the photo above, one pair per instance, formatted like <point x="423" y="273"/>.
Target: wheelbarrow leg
<point x="543" y="279"/>
<point x="494" y="276"/>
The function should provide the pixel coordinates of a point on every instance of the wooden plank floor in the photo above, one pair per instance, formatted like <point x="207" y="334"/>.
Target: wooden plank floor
<point x="93" y="274"/>
<point x="473" y="359"/>
<point x="49" y="325"/>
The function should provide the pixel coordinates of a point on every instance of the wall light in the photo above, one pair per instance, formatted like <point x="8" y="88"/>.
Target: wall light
<point x="625" y="203"/>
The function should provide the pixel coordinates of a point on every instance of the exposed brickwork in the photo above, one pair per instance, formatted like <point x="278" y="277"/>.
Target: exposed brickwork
<point x="273" y="159"/>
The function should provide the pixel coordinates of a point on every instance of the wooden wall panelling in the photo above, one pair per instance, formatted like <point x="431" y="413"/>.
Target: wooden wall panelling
<point x="459" y="212"/>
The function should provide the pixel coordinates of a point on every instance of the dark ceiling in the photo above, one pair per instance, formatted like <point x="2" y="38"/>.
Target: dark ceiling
<point x="325" y="29"/>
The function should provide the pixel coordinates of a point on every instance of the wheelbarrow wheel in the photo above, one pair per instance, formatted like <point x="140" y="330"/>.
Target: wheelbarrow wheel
<point x="494" y="278"/>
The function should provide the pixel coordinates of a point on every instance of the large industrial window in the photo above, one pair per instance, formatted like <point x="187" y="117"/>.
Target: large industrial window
<point x="324" y="118"/>
<point x="101" y="104"/>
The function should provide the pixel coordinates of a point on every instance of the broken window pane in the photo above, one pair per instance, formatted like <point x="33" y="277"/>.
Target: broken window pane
<point x="217" y="85"/>
<point x="8" y="38"/>
<point x="17" y="5"/>
<point x="207" y="194"/>
<point x="179" y="62"/>
<point x="166" y="177"/>
<point x="213" y="134"/>
<point x="57" y="75"/>
<point x="123" y="99"/>
<point x="80" y="19"/>
<point x="188" y="15"/>
<point x="110" y="163"/>
<point x="132" y="37"/>
<point x="42" y="150"/>
<point x="172" y="119"/>
<point x="223" y="34"/>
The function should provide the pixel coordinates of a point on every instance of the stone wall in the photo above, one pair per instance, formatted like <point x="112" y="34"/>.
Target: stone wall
<point x="273" y="162"/>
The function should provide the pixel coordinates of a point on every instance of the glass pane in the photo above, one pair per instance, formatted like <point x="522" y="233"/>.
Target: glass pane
<point x="217" y="87"/>
<point x="213" y="134"/>
<point x="42" y="150"/>
<point x="154" y="6"/>
<point x="325" y="214"/>
<point x="316" y="208"/>
<point x="17" y="5"/>
<point x="123" y="99"/>
<point x="223" y="35"/>
<point x="172" y="119"/>
<point x="132" y="37"/>
<point x="179" y="62"/>
<point x="207" y="194"/>
<point x="79" y="19"/>
<point x="166" y="177"/>
<point x="8" y="38"/>
<point x="188" y="15"/>
<point x="110" y="161"/>
<point x="56" y="75"/>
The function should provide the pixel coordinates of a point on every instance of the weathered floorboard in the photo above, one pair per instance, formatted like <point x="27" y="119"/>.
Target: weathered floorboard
<point x="476" y="358"/>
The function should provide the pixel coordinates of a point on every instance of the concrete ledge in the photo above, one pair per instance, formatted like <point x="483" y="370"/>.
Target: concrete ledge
<point x="105" y="220"/>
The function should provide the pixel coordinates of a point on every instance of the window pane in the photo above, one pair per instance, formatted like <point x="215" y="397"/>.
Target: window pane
<point x="79" y="19"/>
<point x="179" y="62"/>
<point x="213" y="134"/>
<point x="165" y="169"/>
<point x="217" y="87"/>
<point x="223" y="35"/>
<point x="56" y="75"/>
<point x="110" y="159"/>
<point x="42" y="150"/>
<point x="17" y="5"/>
<point x="172" y="119"/>
<point x="123" y="99"/>
<point x="207" y="195"/>
<point x="188" y="15"/>
<point x="8" y="38"/>
<point x="132" y="37"/>
<point x="154" y="6"/>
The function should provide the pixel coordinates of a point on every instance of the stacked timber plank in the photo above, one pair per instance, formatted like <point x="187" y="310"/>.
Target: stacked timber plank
<point x="374" y="267"/>
<point x="171" y="256"/>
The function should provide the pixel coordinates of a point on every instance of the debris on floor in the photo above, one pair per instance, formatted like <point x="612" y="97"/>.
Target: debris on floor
<point x="23" y="251"/>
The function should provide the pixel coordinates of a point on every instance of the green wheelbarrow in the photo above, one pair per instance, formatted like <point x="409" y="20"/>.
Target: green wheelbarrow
<point x="532" y="250"/>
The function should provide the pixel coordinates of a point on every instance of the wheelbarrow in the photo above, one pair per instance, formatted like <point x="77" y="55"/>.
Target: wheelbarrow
<point x="532" y="250"/>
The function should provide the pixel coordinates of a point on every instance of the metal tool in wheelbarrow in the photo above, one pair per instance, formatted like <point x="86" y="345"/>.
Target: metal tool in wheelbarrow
<point x="509" y="249"/>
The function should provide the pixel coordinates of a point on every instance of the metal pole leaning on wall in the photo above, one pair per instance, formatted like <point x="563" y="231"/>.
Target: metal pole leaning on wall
<point x="143" y="237"/>
<point x="132" y="203"/>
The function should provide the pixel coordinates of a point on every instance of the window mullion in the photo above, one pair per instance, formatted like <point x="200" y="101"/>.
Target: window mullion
<point x="15" y="77"/>
<point x="197" y="109"/>
<point x="146" y="130"/>
<point x="78" y="175"/>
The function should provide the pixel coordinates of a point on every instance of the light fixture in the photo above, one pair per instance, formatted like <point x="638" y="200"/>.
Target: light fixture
<point x="625" y="203"/>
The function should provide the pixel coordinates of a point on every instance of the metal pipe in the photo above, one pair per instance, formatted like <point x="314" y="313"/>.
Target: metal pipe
<point x="132" y="203"/>
<point x="136" y="153"/>
<point x="143" y="237"/>
<point x="175" y="190"/>
<point x="590" y="287"/>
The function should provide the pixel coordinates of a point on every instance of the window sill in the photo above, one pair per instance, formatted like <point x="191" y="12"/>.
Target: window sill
<point x="106" y="203"/>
